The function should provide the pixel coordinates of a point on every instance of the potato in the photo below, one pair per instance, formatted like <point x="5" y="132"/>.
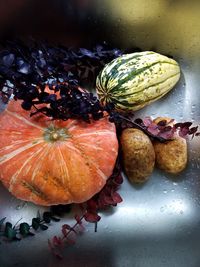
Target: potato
<point x="172" y="155"/>
<point x="138" y="155"/>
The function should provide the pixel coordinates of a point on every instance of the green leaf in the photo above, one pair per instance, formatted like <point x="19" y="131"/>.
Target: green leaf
<point x="43" y="227"/>
<point x="47" y="216"/>
<point x="35" y="223"/>
<point x="9" y="232"/>
<point x="24" y="228"/>
<point x="60" y="209"/>
<point x="8" y="224"/>
<point x="38" y="215"/>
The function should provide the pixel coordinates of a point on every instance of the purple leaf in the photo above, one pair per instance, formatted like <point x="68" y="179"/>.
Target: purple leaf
<point x="138" y="121"/>
<point x="162" y="123"/>
<point x="167" y="135"/>
<point x="186" y="124"/>
<point x="184" y="132"/>
<point x="153" y="129"/>
<point x="177" y="125"/>
<point x="193" y="130"/>
<point x="147" y="121"/>
<point x="87" y="53"/>
<point x="167" y="129"/>
<point x="8" y="59"/>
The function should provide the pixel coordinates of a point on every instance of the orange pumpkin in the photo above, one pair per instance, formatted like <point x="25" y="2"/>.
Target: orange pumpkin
<point x="54" y="162"/>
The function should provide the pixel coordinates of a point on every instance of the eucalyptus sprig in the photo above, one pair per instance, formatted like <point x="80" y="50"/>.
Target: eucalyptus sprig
<point x="40" y="222"/>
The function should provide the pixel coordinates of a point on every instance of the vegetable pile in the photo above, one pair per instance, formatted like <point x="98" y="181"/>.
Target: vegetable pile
<point x="59" y="141"/>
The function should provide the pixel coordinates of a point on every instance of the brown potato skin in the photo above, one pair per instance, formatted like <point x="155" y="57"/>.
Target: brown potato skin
<point x="172" y="155"/>
<point x="138" y="155"/>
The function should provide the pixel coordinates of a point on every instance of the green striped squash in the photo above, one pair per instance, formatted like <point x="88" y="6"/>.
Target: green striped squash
<point x="135" y="80"/>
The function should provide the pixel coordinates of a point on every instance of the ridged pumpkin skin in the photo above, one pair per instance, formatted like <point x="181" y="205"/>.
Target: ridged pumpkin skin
<point x="54" y="162"/>
<point x="135" y="80"/>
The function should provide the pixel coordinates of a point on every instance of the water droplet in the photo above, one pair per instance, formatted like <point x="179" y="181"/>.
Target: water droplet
<point x="181" y="117"/>
<point x="172" y="190"/>
<point x="193" y="106"/>
<point x="162" y="209"/>
<point x="21" y="205"/>
<point x="174" y="183"/>
<point x="165" y="191"/>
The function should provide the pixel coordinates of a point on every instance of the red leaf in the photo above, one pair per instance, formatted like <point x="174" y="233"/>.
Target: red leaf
<point x="66" y="226"/>
<point x="78" y="219"/>
<point x="92" y="205"/>
<point x="92" y="217"/>
<point x="101" y="204"/>
<point x="118" y="179"/>
<point x="82" y="206"/>
<point x="116" y="197"/>
<point x="108" y="200"/>
<point x="81" y="228"/>
<point x="54" y="251"/>
<point x="57" y="241"/>
<point x="64" y="231"/>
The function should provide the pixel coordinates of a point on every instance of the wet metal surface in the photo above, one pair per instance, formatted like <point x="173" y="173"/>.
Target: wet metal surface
<point x="157" y="224"/>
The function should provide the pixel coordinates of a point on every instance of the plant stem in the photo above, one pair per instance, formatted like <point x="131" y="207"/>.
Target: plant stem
<point x="73" y="227"/>
<point x="138" y="126"/>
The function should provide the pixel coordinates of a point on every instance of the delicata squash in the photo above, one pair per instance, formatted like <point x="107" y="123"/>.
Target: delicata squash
<point x="54" y="162"/>
<point x="133" y="81"/>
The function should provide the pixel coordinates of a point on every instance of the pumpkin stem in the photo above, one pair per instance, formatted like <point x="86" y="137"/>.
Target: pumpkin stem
<point x="53" y="134"/>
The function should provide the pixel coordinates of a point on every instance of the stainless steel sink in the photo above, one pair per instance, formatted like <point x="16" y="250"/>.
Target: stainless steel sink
<point x="158" y="223"/>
